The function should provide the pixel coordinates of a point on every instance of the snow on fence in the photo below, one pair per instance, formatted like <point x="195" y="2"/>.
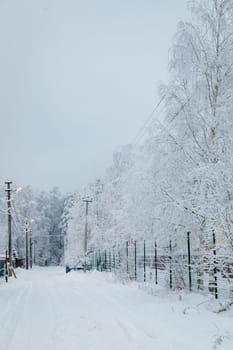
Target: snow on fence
<point x="181" y="265"/>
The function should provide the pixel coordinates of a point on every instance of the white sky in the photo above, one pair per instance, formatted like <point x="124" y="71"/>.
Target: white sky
<point x="77" y="80"/>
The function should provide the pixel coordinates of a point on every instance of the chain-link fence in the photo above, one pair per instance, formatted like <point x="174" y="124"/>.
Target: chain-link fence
<point x="186" y="264"/>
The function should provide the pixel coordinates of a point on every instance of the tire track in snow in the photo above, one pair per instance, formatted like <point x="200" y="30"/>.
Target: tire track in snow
<point x="130" y="333"/>
<point x="12" y="320"/>
<point x="92" y="323"/>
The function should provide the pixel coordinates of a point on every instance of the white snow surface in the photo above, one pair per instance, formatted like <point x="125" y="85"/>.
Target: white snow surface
<point x="45" y="309"/>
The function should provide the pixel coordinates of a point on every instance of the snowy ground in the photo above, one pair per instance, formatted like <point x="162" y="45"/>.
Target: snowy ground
<point x="45" y="309"/>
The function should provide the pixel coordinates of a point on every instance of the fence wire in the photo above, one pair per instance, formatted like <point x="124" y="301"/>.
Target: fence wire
<point x="187" y="265"/>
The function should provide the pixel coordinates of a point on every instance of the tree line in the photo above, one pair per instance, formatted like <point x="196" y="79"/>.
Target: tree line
<point x="179" y="177"/>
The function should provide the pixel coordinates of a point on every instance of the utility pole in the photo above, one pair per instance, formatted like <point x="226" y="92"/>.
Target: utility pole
<point x="87" y="201"/>
<point x="26" y="245"/>
<point x="9" y="191"/>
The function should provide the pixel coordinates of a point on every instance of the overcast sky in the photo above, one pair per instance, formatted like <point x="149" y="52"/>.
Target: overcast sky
<point x="78" y="78"/>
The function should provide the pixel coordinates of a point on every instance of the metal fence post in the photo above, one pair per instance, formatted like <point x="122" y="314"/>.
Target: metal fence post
<point x="105" y="260"/>
<point x="144" y="261"/>
<point x="170" y="258"/>
<point x="189" y="262"/>
<point x="156" y="264"/>
<point x="119" y="258"/>
<point x="100" y="261"/>
<point x="109" y="261"/>
<point x="135" y="260"/>
<point x="127" y="258"/>
<point x="215" y="267"/>
<point x="94" y="259"/>
<point x="114" y="260"/>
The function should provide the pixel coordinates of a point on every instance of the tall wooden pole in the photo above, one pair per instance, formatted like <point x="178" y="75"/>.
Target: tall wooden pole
<point x="87" y="201"/>
<point x="9" y="190"/>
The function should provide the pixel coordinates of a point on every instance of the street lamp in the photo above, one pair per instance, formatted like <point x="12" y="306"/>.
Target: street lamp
<point x="19" y="189"/>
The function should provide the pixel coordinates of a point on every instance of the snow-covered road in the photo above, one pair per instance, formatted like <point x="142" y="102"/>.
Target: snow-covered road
<point x="45" y="309"/>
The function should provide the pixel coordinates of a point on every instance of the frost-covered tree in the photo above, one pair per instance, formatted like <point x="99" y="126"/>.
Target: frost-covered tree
<point x="199" y="117"/>
<point x="43" y="211"/>
<point x="180" y="178"/>
<point x="47" y="229"/>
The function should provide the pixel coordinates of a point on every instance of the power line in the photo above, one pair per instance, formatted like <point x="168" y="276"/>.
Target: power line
<point x="143" y="128"/>
<point x="16" y="226"/>
<point x="16" y="214"/>
<point x="175" y="140"/>
<point x="150" y="120"/>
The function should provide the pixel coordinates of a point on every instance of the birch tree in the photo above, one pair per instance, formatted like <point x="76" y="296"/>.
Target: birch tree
<point x="199" y="116"/>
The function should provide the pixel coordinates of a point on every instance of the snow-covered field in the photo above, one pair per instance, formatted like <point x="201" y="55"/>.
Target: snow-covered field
<point x="45" y="309"/>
